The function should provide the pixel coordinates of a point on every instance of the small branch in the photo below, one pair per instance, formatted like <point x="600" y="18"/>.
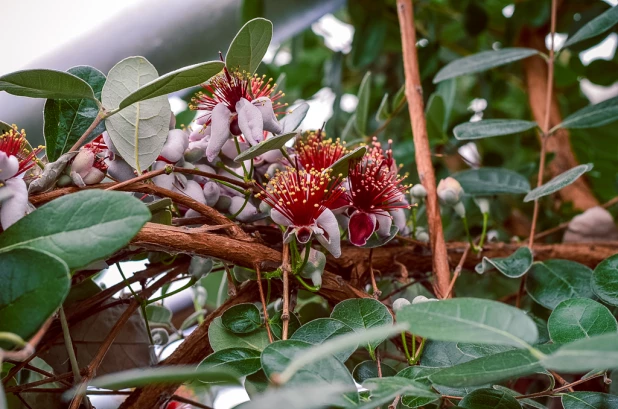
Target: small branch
<point x="458" y="269"/>
<point x="263" y="300"/>
<point x="379" y="363"/>
<point x="142" y="177"/>
<point x="100" y="116"/>
<point x="285" y="313"/>
<point x="69" y="346"/>
<point x="376" y="292"/>
<point x="231" y="287"/>
<point x="424" y="165"/>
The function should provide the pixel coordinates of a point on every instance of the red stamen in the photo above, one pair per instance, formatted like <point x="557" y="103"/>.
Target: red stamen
<point x="14" y="143"/>
<point x="314" y="152"/>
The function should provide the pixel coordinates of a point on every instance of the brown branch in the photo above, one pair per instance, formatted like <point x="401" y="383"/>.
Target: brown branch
<point x="414" y="95"/>
<point x="285" y="312"/>
<point x="535" y="72"/>
<point x="211" y="214"/>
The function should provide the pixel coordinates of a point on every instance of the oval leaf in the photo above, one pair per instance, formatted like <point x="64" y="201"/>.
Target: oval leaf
<point x="320" y="330"/>
<point x="242" y="318"/>
<point x="278" y="356"/>
<point x="491" y="181"/>
<point x="249" y="46"/>
<point x="595" y="27"/>
<point x="220" y="338"/>
<point x="553" y="281"/>
<point x="293" y="119"/>
<point x="314" y="396"/>
<point x="579" y="318"/>
<point x="362" y="108"/>
<point x="605" y="280"/>
<point x="50" y="84"/>
<point x="107" y="219"/>
<point x="369" y="369"/>
<point x="482" y="62"/>
<point x="585" y="355"/>
<point x="515" y="265"/>
<point x="67" y="119"/>
<point x="592" y="116"/>
<point x="420" y="375"/>
<point x="272" y="143"/>
<point x="361" y="314"/>
<point x="158" y="314"/>
<point x="384" y="390"/>
<point x="139" y="130"/>
<point x="239" y="361"/>
<point x="341" y="167"/>
<point x="489" y="399"/>
<point x="559" y="182"/>
<point x="182" y="78"/>
<point x="470" y="320"/>
<point x="491" y="127"/>
<point x="588" y="400"/>
<point x="33" y="284"/>
<point x="136" y="378"/>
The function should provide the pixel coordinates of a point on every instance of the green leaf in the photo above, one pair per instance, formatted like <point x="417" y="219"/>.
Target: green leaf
<point x="41" y="83"/>
<point x="489" y="399"/>
<point x="579" y="318"/>
<point x="321" y="330"/>
<point x="515" y="265"/>
<point x="589" y="400"/>
<point x="139" y="130"/>
<point x="341" y="343"/>
<point x="362" y="109"/>
<point x="384" y="390"/>
<point x="66" y="120"/>
<point x="491" y="181"/>
<point x="220" y="338"/>
<point x="341" y="167"/>
<point x="399" y="98"/>
<point x="489" y="369"/>
<point x="369" y="369"/>
<point x="525" y="401"/>
<point x="249" y="46"/>
<point x="276" y="325"/>
<point x="293" y="119"/>
<point x="33" y="284"/>
<point x="361" y="314"/>
<point x="136" y="378"/>
<point x="491" y="127"/>
<point x="594" y="27"/>
<point x="250" y="9"/>
<point x="377" y="241"/>
<point x="470" y="320"/>
<point x="279" y="356"/>
<point x="585" y="354"/>
<point x="435" y="113"/>
<point x="553" y="281"/>
<point x="158" y="314"/>
<point x="384" y="109"/>
<point x="592" y="116"/>
<point x="182" y="78"/>
<point x="479" y="350"/>
<point x="272" y="143"/>
<point x="482" y="62"/>
<point x="420" y="375"/>
<point x="107" y="219"/>
<point x="239" y="361"/>
<point x="605" y="280"/>
<point x="314" y="396"/>
<point x="242" y="318"/>
<point x="559" y="182"/>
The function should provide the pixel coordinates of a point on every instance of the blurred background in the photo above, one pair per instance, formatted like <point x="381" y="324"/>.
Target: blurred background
<point x="320" y="52"/>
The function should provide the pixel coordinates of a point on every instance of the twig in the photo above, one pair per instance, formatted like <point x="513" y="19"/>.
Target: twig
<point x="395" y="402"/>
<point x="69" y="346"/>
<point x="400" y="289"/>
<point x="376" y="292"/>
<point x="548" y="96"/>
<point x="231" y="287"/>
<point x="143" y="176"/>
<point x="425" y="169"/>
<point x="263" y="300"/>
<point x="100" y="116"/>
<point x="26" y="386"/>
<point x="458" y="269"/>
<point x="379" y="363"/>
<point x="285" y="313"/>
<point x="560" y="379"/>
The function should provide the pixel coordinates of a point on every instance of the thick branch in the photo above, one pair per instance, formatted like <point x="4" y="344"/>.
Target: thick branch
<point x="535" y="71"/>
<point x="414" y="95"/>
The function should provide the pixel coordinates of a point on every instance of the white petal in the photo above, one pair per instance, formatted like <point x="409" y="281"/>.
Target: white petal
<point x="119" y="169"/>
<point x="265" y="105"/>
<point x="193" y="190"/>
<point x="9" y="166"/>
<point x="247" y="212"/>
<point x="77" y="179"/>
<point x="250" y="121"/>
<point x="211" y="193"/>
<point x="279" y="218"/>
<point x="175" y="145"/>
<point x="164" y="181"/>
<point x="220" y="131"/>
<point x="328" y="222"/>
<point x="384" y="222"/>
<point x="15" y="207"/>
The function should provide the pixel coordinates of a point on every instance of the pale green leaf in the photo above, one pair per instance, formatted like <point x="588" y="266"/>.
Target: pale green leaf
<point x="40" y="83"/>
<point x="594" y="27"/>
<point x="272" y="143"/>
<point x="553" y="281"/>
<point x="515" y="265"/>
<point x="585" y="354"/>
<point x="589" y="400"/>
<point x="491" y="181"/>
<point x="239" y="361"/>
<point x="249" y="46"/>
<point x="362" y="109"/>
<point x="559" y="182"/>
<point x="491" y="127"/>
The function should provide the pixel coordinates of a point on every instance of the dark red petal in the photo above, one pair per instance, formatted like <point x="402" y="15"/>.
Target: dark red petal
<point x="303" y="234"/>
<point x="360" y="228"/>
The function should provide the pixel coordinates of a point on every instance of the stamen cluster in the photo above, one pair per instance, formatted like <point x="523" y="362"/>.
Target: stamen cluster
<point x="315" y="152"/>
<point x="13" y="143"/>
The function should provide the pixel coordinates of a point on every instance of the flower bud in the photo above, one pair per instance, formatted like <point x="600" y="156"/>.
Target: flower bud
<point x="83" y="162"/>
<point x="482" y="203"/>
<point x="247" y="212"/>
<point x="460" y="209"/>
<point x="421" y="235"/>
<point x="212" y="192"/>
<point x="400" y="303"/>
<point x="449" y="191"/>
<point x="94" y="176"/>
<point x="419" y="299"/>
<point x="175" y="145"/>
<point x="418" y="192"/>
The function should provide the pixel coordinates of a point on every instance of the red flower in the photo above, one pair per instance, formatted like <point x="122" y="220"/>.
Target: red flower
<point x="300" y="201"/>
<point x="315" y="152"/>
<point x="375" y="189"/>
<point x="16" y="156"/>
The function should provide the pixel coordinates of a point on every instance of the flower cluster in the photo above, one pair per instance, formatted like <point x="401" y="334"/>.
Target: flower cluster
<point x="315" y="152"/>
